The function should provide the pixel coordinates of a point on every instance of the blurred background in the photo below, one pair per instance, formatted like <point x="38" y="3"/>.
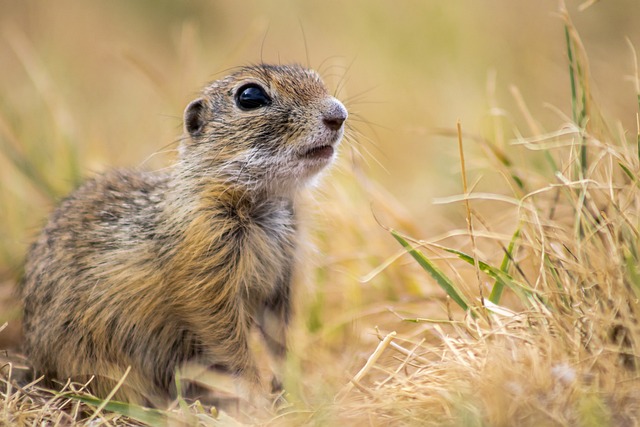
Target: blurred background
<point x="87" y="86"/>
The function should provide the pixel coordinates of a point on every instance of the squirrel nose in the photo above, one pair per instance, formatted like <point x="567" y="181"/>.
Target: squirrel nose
<point x="335" y="115"/>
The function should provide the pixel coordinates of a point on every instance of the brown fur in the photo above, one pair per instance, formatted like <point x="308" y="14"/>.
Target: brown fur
<point x="154" y="271"/>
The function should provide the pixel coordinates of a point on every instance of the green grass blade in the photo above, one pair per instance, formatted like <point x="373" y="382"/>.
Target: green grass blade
<point x="518" y="181"/>
<point x="445" y="283"/>
<point x="75" y="169"/>
<point x="558" y="281"/>
<point x="181" y="402"/>
<point x="638" y="130"/>
<point x="572" y="79"/>
<point x="24" y="166"/>
<point x="579" y="112"/>
<point x="627" y="171"/>
<point x="522" y="290"/>
<point x="498" y="286"/>
<point x="552" y="163"/>
<point x="633" y="274"/>
<point x="151" y="417"/>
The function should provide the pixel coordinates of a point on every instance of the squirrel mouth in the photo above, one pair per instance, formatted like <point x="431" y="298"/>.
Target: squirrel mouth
<point x="321" y="152"/>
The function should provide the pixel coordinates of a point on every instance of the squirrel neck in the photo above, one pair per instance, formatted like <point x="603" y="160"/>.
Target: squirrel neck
<point x="209" y="204"/>
<point x="202" y="192"/>
<point x="207" y="224"/>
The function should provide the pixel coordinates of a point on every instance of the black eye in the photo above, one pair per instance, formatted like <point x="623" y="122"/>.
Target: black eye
<point x="252" y="96"/>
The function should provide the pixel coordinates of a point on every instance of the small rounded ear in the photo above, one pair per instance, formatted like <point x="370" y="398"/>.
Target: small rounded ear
<point x="194" y="117"/>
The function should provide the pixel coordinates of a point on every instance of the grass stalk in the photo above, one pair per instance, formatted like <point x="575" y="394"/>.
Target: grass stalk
<point x="467" y="206"/>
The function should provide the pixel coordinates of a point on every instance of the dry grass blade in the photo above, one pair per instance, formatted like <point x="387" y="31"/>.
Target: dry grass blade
<point x="467" y="206"/>
<point x="367" y="366"/>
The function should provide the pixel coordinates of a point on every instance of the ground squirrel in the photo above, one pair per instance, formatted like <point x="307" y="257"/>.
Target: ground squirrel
<point x="153" y="270"/>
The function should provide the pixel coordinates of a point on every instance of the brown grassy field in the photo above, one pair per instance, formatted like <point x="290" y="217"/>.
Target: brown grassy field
<point x="517" y="303"/>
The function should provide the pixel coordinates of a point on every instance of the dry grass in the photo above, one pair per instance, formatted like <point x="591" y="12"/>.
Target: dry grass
<point x="564" y="353"/>
<point x="553" y="341"/>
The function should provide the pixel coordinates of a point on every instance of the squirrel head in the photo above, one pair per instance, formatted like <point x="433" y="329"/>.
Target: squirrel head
<point x="264" y="127"/>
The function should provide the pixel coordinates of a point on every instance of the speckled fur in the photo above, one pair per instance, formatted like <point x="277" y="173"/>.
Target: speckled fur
<point x="154" y="270"/>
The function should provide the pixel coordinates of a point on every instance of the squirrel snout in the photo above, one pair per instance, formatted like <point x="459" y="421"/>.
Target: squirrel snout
<point x="335" y="115"/>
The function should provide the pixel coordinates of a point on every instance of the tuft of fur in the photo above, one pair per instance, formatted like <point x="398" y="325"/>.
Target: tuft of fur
<point x="154" y="271"/>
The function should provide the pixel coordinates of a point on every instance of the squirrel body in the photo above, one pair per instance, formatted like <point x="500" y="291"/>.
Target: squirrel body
<point x="153" y="271"/>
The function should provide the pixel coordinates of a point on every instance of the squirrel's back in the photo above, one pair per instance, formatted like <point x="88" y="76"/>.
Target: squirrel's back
<point x="100" y="231"/>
